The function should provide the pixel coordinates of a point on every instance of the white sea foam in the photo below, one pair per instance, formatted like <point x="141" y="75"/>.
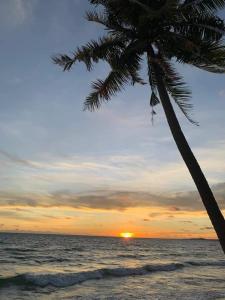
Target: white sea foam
<point x="68" y="279"/>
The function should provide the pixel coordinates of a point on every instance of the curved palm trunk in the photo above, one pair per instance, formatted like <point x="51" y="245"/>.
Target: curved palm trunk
<point x="201" y="183"/>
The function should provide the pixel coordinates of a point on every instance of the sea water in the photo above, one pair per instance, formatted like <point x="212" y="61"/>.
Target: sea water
<point x="79" y="267"/>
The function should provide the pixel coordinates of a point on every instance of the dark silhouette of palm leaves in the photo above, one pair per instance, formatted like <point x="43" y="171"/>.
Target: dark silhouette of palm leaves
<point x="204" y="5"/>
<point x="187" y="32"/>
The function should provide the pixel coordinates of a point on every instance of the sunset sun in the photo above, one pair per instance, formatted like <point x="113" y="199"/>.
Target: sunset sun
<point x="126" y="235"/>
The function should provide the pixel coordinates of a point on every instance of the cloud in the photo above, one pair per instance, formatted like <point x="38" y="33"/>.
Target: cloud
<point x="112" y="163"/>
<point x="187" y="221"/>
<point x="170" y="217"/>
<point x="57" y="217"/>
<point x="16" y="12"/>
<point x="207" y="228"/>
<point x="174" y="208"/>
<point x="222" y="93"/>
<point x="15" y="159"/>
<point x="17" y="215"/>
<point x="115" y="200"/>
<point x="119" y="172"/>
<point x="154" y="215"/>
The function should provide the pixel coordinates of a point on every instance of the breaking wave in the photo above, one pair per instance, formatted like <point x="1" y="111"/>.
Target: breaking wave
<point x="69" y="279"/>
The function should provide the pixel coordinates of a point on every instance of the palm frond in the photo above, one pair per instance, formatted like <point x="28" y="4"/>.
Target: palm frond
<point x="151" y="77"/>
<point x="91" y="52"/>
<point x="200" y="26"/>
<point x="130" y="60"/>
<point x="136" y="78"/>
<point x="104" y="90"/>
<point x="204" y="5"/>
<point x="210" y="58"/>
<point x="111" y="23"/>
<point x="177" y="88"/>
<point x="125" y="68"/>
<point x="100" y="2"/>
<point x="154" y="99"/>
<point x="98" y="17"/>
<point x="142" y="5"/>
<point x="207" y="55"/>
<point x="64" y="61"/>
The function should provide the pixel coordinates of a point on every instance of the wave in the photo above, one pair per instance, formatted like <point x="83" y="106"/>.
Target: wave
<point x="219" y="263"/>
<point x="13" y="249"/>
<point x="48" y="258"/>
<point x="69" y="279"/>
<point x="133" y="256"/>
<point x="38" y="258"/>
<point x="79" y="249"/>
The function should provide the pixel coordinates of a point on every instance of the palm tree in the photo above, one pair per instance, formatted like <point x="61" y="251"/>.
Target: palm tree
<point x="162" y="32"/>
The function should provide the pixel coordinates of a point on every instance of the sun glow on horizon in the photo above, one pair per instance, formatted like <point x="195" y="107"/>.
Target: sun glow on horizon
<point x="126" y="235"/>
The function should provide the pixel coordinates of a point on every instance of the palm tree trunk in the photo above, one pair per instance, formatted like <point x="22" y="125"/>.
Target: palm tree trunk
<point x="201" y="183"/>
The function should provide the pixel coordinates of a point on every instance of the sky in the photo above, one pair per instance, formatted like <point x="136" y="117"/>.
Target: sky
<point x="66" y="171"/>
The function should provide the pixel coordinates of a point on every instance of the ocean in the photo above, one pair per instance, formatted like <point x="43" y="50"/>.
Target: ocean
<point x="35" y="266"/>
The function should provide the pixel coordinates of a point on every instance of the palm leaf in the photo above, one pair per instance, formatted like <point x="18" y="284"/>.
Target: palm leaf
<point x="125" y="68"/>
<point x="199" y="26"/>
<point x="91" y="52"/>
<point x="208" y="5"/>
<point x="111" y="23"/>
<point x="104" y="90"/>
<point x="177" y="88"/>
<point x="211" y="57"/>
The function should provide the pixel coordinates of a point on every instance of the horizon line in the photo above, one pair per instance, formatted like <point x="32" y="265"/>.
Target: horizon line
<point x="104" y="236"/>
